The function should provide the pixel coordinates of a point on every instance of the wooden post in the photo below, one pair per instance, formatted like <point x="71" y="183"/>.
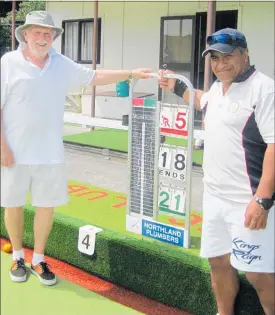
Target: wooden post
<point x="210" y="28"/>
<point x="13" y="24"/>
<point x="94" y="50"/>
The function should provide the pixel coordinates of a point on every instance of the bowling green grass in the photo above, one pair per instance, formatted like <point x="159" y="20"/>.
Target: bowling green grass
<point x="143" y="265"/>
<point x="118" y="140"/>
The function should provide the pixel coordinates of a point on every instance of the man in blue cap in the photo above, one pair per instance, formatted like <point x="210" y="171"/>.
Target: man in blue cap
<point x="239" y="162"/>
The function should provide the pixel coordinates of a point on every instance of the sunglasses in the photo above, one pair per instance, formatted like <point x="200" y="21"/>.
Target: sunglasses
<point x="231" y="40"/>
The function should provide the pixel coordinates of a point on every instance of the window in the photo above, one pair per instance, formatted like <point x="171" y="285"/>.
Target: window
<point x="176" y="50"/>
<point x="177" y="42"/>
<point x="77" y="40"/>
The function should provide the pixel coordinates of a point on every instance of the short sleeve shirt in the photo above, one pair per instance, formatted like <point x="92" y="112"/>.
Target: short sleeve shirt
<point x="32" y="104"/>
<point x="238" y="127"/>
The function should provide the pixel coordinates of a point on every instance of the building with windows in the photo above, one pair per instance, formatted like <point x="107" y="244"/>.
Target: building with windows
<point x="150" y="34"/>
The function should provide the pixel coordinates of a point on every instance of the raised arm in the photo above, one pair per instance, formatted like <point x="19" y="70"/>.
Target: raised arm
<point x="173" y="85"/>
<point x="198" y="96"/>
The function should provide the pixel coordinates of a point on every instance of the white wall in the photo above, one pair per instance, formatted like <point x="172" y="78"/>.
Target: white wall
<point x="131" y="31"/>
<point x="257" y="23"/>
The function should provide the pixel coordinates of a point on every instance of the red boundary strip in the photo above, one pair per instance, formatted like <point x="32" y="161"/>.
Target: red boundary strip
<point x="176" y="132"/>
<point x="105" y="288"/>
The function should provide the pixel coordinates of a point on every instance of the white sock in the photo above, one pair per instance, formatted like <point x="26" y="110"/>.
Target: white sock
<point x="37" y="259"/>
<point x="17" y="254"/>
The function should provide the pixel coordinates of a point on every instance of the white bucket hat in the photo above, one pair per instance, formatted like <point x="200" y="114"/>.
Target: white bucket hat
<point x="39" y="18"/>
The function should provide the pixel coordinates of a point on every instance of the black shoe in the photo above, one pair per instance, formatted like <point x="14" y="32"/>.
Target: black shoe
<point x="18" y="271"/>
<point x="43" y="272"/>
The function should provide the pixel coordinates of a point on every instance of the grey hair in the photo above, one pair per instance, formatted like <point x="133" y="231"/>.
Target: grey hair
<point x="243" y="50"/>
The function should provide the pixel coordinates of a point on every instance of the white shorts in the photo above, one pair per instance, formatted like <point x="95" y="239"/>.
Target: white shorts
<point x="223" y="232"/>
<point x="46" y="183"/>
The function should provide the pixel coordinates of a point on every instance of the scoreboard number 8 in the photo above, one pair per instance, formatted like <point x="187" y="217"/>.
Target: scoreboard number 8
<point x="176" y="157"/>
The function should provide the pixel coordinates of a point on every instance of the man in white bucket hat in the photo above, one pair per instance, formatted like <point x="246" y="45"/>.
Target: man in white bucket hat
<point x="38" y="18"/>
<point x="35" y="80"/>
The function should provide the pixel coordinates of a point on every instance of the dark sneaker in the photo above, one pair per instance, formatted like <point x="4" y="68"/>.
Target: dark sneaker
<point x="18" y="271"/>
<point x="43" y="272"/>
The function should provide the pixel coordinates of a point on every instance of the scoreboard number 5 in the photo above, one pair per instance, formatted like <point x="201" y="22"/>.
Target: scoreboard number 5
<point x="180" y="119"/>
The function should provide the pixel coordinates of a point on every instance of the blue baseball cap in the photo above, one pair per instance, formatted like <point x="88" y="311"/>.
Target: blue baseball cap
<point x="225" y="41"/>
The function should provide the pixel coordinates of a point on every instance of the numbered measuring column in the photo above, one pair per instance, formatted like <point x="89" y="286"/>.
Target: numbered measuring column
<point x="142" y="157"/>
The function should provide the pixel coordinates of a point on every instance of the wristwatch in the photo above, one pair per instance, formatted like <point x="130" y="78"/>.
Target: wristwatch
<point x="265" y="203"/>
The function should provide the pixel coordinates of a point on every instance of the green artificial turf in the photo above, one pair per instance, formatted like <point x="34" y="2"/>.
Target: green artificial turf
<point x="118" y="140"/>
<point x="102" y="138"/>
<point x="65" y="298"/>
<point x="168" y="275"/>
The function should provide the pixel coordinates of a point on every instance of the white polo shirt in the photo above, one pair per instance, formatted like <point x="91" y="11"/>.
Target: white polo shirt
<point x="238" y="127"/>
<point x="32" y="103"/>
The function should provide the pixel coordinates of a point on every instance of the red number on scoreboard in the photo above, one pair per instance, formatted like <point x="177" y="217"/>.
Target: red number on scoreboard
<point x="180" y="120"/>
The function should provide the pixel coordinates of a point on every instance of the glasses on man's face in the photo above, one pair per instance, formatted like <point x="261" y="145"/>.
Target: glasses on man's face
<point x="231" y="40"/>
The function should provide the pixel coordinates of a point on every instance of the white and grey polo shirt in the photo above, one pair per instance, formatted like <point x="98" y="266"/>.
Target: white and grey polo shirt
<point x="33" y="101"/>
<point x="238" y="127"/>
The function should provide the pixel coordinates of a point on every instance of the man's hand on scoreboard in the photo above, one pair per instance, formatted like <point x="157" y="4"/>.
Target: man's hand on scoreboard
<point x="164" y="83"/>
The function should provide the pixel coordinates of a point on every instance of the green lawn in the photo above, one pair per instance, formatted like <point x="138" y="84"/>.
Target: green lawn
<point x="118" y="140"/>
<point x="65" y="298"/>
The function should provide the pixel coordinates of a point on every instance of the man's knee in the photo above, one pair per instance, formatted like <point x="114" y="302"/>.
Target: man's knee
<point x="220" y="262"/>
<point x="222" y="270"/>
<point x="261" y="280"/>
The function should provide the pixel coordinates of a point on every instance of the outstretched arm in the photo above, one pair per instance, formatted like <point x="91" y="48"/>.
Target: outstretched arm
<point x="105" y="77"/>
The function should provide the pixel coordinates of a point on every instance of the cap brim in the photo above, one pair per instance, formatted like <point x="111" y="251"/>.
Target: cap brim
<point x="222" y="48"/>
<point x="20" y="37"/>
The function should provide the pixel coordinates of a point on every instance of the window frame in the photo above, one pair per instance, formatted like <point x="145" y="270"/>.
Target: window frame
<point x="185" y="66"/>
<point x="80" y="22"/>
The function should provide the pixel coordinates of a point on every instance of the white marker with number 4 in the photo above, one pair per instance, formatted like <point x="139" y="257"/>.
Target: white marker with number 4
<point x="87" y="239"/>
